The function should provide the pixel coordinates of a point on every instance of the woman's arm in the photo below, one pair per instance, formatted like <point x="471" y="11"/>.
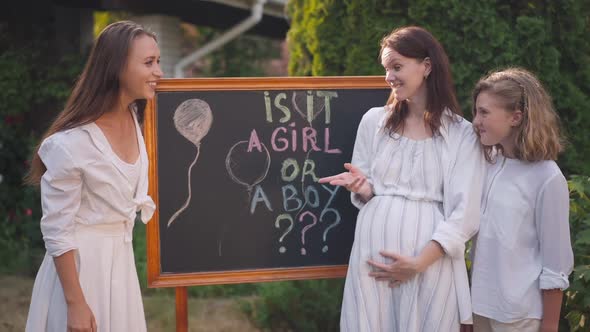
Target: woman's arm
<point x="432" y="252"/>
<point x="61" y="187"/>
<point x="354" y="181"/>
<point x="462" y="195"/>
<point x="403" y="267"/>
<point x="357" y="178"/>
<point x="80" y="317"/>
<point x="362" y="157"/>
<point x="68" y="276"/>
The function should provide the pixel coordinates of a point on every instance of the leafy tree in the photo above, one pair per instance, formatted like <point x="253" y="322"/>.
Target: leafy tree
<point x="550" y="38"/>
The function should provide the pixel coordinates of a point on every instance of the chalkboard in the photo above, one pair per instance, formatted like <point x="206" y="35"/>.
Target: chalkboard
<point x="234" y="165"/>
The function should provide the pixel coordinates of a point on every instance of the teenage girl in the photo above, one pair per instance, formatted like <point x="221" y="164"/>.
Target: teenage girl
<point x="523" y="253"/>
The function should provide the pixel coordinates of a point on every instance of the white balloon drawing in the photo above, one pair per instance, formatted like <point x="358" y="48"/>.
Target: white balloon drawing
<point x="192" y="119"/>
<point x="230" y="163"/>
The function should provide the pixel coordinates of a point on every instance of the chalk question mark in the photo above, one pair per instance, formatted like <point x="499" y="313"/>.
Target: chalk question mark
<point x="306" y="228"/>
<point x="284" y="216"/>
<point x="332" y="225"/>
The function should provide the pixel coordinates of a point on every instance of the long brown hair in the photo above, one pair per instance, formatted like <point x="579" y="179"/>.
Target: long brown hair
<point x="97" y="89"/>
<point x="539" y="136"/>
<point x="417" y="43"/>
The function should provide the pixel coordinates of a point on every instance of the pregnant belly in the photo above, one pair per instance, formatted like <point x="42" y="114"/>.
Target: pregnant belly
<point x="396" y="224"/>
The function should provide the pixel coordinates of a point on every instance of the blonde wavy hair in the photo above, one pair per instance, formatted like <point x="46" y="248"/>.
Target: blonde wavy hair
<point x="538" y="136"/>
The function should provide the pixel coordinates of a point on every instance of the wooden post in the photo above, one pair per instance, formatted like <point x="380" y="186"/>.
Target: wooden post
<point x="181" y="310"/>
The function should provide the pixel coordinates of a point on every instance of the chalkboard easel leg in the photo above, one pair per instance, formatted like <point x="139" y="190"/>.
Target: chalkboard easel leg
<point x="181" y="310"/>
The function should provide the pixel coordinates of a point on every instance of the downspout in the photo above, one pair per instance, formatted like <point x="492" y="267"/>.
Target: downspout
<point x="235" y="31"/>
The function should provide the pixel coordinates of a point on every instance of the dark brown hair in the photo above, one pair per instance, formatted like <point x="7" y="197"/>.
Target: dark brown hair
<point x="539" y="136"/>
<point x="417" y="43"/>
<point x="97" y="89"/>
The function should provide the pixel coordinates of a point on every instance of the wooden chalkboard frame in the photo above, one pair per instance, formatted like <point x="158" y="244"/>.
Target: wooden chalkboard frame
<point x="155" y="277"/>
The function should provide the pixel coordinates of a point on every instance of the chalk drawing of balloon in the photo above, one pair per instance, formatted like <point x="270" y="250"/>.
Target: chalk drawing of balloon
<point x="192" y="119"/>
<point x="246" y="166"/>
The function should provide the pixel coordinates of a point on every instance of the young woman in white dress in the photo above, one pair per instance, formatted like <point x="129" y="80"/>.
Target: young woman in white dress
<point x="416" y="175"/>
<point x="92" y="170"/>
<point x="522" y="253"/>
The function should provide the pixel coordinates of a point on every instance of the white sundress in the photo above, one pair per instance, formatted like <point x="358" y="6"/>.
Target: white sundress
<point x="94" y="215"/>
<point x="407" y="176"/>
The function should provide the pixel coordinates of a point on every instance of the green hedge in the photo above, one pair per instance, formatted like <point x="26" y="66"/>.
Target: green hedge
<point x="34" y="83"/>
<point x="310" y="305"/>
<point x="332" y="37"/>
<point x="577" y="297"/>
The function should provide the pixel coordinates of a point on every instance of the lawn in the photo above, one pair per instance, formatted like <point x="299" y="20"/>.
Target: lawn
<point x="205" y="314"/>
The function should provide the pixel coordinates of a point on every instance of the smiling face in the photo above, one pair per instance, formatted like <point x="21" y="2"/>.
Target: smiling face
<point x="406" y="76"/>
<point x="142" y="70"/>
<point x="494" y="123"/>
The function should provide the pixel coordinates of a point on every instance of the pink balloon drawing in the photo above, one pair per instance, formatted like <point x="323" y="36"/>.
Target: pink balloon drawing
<point x="192" y="119"/>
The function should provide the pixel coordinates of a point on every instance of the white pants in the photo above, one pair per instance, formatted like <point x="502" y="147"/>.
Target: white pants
<point x="484" y="324"/>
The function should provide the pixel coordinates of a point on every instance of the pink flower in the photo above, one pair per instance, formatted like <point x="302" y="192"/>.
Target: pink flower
<point x="28" y="212"/>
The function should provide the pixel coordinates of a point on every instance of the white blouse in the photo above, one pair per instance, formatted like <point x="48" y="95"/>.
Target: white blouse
<point x="84" y="184"/>
<point x="463" y="173"/>
<point x="523" y="245"/>
<point x="131" y="171"/>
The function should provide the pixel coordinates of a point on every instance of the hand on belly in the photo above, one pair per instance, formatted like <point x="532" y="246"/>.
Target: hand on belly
<point x="401" y="269"/>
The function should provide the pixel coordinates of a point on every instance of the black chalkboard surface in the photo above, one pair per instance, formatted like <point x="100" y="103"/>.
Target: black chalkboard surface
<point x="234" y="169"/>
